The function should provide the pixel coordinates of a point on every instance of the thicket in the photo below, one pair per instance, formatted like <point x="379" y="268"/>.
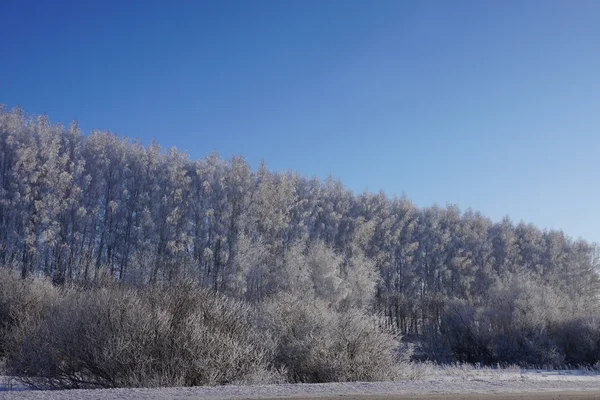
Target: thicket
<point x="182" y="335"/>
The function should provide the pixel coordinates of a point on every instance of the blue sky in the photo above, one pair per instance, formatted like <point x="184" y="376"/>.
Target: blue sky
<point x="493" y="105"/>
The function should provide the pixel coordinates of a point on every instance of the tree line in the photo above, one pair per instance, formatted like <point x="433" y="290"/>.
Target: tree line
<point x="76" y="208"/>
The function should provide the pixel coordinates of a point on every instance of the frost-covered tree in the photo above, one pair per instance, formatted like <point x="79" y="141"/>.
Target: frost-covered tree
<point x="76" y="208"/>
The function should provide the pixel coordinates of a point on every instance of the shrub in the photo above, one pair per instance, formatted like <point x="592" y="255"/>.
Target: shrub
<point x="319" y="344"/>
<point x="20" y="300"/>
<point x="579" y="340"/>
<point x="119" y="337"/>
<point x="514" y="327"/>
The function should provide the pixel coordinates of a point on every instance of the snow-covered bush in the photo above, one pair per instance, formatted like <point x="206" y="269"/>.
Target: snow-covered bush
<point x="316" y="343"/>
<point x="515" y="326"/>
<point x="21" y="300"/>
<point x="119" y="337"/>
<point x="579" y="340"/>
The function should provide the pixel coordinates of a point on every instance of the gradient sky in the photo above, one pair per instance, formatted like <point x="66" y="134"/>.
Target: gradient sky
<point x="493" y="105"/>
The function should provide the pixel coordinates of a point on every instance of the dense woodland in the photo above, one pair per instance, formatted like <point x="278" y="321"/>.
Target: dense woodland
<point x="79" y="208"/>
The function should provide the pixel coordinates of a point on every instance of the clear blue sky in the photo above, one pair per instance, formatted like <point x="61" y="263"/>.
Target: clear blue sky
<point x="493" y="105"/>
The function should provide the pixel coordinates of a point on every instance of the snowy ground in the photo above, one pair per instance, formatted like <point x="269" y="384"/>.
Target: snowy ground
<point x="449" y="383"/>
